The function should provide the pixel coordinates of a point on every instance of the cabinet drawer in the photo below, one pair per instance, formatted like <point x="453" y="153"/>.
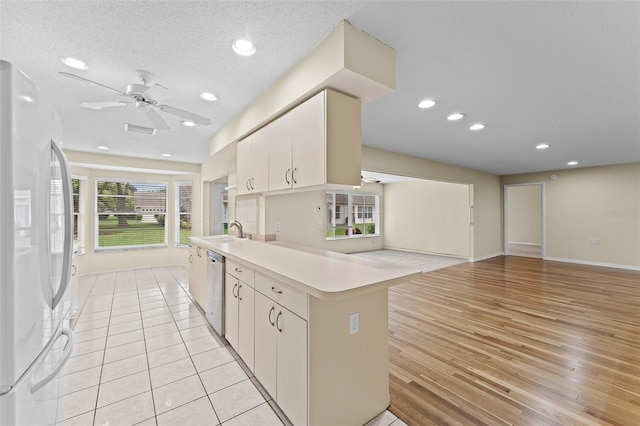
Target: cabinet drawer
<point x="241" y="272"/>
<point x="287" y="296"/>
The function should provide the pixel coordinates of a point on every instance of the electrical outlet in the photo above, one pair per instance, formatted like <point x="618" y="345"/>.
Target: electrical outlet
<point x="277" y="226"/>
<point x="354" y="323"/>
<point x="320" y="225"/>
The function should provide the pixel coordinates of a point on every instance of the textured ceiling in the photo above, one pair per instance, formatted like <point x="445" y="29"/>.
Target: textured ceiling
<point x="564" y="73"/>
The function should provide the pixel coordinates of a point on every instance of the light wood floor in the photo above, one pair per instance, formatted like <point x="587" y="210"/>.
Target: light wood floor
<point x="516" y="340"/>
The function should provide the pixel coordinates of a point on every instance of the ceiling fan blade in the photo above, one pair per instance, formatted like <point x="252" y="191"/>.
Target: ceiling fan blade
<point x="157" y="93"/>
<point x="103" y="104"/>
<point x="86" y="80"/>
<point x="157" y="120"/>
<point x="185" y="114"/>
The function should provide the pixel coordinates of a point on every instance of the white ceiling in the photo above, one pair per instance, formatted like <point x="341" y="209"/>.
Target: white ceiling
<point x="564" y="73"/>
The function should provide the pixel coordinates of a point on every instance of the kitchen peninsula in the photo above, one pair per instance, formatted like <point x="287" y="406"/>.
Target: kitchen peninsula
<point x="311" y="325"/>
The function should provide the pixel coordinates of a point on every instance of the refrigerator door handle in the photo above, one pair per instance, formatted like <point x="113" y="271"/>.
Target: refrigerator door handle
<point x="68" y="224"/>
<point x="35" y="386"/>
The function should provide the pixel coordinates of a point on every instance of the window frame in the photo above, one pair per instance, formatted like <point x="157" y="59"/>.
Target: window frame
<point x="178" y="214"/>
<point x="97" y="214"/>
<point x="351" y="214"/>
<point x="78" y="217"/>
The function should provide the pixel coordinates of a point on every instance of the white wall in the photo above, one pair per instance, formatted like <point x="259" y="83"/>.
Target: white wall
<point x="298" y="215"/>
<point x="427" y="216"/>
<point x="585" y="204"/>
<point x="486" y="193"/>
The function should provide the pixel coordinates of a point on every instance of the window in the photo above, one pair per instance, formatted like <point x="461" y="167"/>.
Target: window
<point x="352" y="214"/>
<point x="130" y="214"/>
<point x="76" y="186"/>
<point x="183" y="212"/>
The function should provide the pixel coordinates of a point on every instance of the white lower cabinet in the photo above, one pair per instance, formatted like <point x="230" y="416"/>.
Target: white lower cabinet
<point x="239" y="318"/>
<point x="281" y="356"/>
<point x="198" y="274"/>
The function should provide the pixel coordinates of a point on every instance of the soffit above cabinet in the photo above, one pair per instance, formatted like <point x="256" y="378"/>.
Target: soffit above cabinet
<point x="348" y="60"/>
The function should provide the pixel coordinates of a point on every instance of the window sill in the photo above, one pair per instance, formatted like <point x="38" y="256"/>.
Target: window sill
<point x="128" y="248"/>
<point x="352" y="237"/>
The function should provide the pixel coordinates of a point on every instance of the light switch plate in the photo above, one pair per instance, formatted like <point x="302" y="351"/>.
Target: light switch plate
<point x="354" y="323"/>
<point x="277" y="226"/>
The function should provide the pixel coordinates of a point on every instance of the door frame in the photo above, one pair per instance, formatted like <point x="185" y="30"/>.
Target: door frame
<point x="505" y="219"/>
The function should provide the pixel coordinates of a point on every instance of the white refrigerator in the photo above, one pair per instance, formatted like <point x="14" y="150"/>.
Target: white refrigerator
<point x="36" y="242"/>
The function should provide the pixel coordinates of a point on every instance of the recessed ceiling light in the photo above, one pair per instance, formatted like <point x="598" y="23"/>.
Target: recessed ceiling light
<point x="188" y="123"/>
<point x="74" y="63"/>
<point x="104" y="148"/>
<point x="572" y="163"/>
<point x="543" y="146"/>
<point x="166" y="155"/>
<point x="455" y="116"/>
<point x="427" y="103"/>
<point x="243" y="47"/>
<point x="208" y="96"/>
<point x="26" y="98"/>
<point x="477" y="126"/>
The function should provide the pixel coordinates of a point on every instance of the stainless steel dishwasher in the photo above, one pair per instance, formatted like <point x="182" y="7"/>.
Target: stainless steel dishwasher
<point x="215" y="291"/>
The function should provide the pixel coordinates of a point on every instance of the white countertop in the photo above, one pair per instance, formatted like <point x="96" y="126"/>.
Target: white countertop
<point x="320" y="273"/>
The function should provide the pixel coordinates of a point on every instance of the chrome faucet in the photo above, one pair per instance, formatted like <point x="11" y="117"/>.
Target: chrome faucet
<point x="239" y="226"/>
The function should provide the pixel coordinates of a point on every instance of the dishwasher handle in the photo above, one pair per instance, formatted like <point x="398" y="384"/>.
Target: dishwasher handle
<point x="215" y="257"/>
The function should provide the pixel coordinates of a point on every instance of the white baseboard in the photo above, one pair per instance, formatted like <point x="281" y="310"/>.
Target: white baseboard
<point x="488" y="256"/>
<point x="586" y="262"/>
<point x="454" y="256"/>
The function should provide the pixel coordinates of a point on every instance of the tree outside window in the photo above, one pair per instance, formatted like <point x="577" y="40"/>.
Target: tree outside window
<point x="130" y="213"/>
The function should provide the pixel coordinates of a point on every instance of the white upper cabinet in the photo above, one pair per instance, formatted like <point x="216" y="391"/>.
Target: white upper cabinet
<point x="252" y="167"/>
<point x="280" y="170"/>
<point x="316" y="143"/>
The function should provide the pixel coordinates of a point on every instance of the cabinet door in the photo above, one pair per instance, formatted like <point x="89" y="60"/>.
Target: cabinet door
<point x="265" y="342"/>
<point x="246" y="334"/>
<point x="292" y="366"/>
<point x="280" y="154"/>
<point x="198" y="290"/>
<point x="243" y="163"/>
<point x="231" y="310"/>
<point x="192" y="267"/>
<point x="260" y="160"/>
<point x="308" y="142"/>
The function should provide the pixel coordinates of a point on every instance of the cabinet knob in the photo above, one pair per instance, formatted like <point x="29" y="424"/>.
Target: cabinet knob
<point x="239" y="287"/>
<point x="238" y="270"/>
<point x="293" y="175"/>
<point x="286" y="176"/>
<point x="275" y="290"/>
<point x="190" y="258"/>
<point x="278" y="322"/>
<point x="233" y="291"/>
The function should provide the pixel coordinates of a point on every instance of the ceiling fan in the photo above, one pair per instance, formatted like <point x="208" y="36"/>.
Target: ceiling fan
<point x="142" y="96"/>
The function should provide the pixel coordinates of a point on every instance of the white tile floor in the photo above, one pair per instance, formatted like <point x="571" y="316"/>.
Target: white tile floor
<point x="422" y="261"/>
<point x="145" y="354"/>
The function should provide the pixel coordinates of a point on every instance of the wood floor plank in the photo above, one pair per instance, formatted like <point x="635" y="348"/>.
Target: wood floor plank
<point x="516" y="340"/>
